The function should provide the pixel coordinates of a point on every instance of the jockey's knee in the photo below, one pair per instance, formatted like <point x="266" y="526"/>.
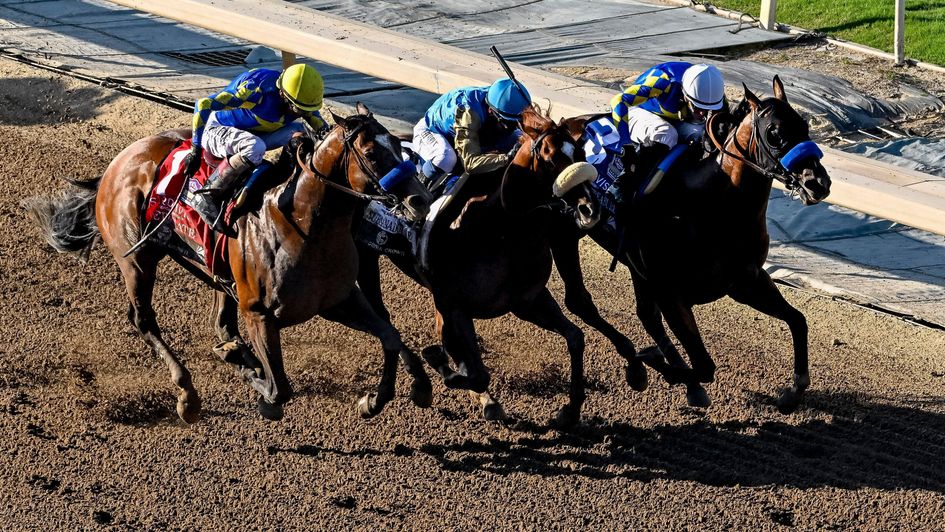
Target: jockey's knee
<point x="253" y="150"/>
<point x="666" y="135"/>
<point x="446" y="159"/>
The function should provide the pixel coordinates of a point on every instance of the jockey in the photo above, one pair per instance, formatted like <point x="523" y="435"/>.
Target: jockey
<point x="464" y="125"/>
<point x="667" y="103"/>
<point x="256" y="112"/>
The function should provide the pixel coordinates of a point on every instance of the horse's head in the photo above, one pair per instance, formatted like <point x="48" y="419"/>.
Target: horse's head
<point x="558" y="174"/>
<point x="360" y="147"/>
<point x="774" y="137"/>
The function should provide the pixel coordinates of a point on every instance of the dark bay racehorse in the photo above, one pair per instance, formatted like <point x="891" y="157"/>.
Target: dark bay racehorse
<point x="490" y="255"/>
<point x="294" y="258"/>
<point x="703" y="235"/>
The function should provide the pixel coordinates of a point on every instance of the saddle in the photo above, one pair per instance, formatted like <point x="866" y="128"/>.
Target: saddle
<point x="185" y="232"/>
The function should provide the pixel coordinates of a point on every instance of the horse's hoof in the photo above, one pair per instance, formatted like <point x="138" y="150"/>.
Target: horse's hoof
<point x="697" y="397"/>
<point x="188" y="407"/>
<point x="788" y="401"/>
<point x="637" y="376"/>
<point x="421" y="393"/>
<point x="494" y="412"/>
<point x="270" y="411"/>
<point x="365" y="408"/>
<point x="566" y="418"/>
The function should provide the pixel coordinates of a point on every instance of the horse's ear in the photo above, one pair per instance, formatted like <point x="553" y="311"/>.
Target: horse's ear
<point x="575" y="126"/>
<point x="750" y="97"/>
<point x="340" y="120"/>
<point x="363" y="110"/>
<point x="779" y="89"/>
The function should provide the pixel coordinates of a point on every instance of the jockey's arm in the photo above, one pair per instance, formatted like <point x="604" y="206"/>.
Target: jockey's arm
<point x="315" y="120"/>
<point x="204" y="106"/>
<point x="468" y="147"/>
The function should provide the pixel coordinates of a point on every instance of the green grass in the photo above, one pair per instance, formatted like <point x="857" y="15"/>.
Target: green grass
<point x="868" y="22"/>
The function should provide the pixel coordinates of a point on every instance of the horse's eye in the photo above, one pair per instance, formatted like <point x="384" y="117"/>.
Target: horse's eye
<point x="774" y="138"/>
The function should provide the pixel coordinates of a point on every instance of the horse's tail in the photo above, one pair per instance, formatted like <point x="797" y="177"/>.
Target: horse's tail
<point x="67" y="220"/>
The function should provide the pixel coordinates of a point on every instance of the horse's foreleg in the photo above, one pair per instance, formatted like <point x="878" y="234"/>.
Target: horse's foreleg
<point x="579" y="301"/>
<point x="459" y="341"/>
<point x="232" y="348"/>
<point x="682" y="322"/>
<point x="669" y="363"/>
<point x="761" y="294"/>
<point x="274" y="387"/>
<point x="369" y="281"/>
<point x="544" y="312"/>
<point x="357" y="313"/>
<point x="139" y="272"/>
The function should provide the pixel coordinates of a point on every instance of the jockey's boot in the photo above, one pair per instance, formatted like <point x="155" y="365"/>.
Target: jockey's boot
<point x="210" y="200"/>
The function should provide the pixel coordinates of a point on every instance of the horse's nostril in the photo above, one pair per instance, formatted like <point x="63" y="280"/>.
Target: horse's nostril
<point x="585" y="210"/>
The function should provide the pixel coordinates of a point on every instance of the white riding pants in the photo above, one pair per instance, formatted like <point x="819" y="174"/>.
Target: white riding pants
<point x="433" y="147"/>
<point x="225" y="141"/>
<point x="647" y="129"/>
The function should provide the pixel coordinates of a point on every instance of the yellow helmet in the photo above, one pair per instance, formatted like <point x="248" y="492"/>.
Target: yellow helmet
<point x="303" y="87"/>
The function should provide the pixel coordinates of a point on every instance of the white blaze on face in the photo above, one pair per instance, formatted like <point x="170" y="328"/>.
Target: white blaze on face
<point x="385" y="141"/>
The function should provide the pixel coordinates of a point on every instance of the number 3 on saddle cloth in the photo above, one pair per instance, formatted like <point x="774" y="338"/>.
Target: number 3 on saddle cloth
<point x="202" y="243"/>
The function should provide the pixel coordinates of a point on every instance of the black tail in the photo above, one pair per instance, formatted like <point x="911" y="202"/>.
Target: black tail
<point x="67" y="220"/>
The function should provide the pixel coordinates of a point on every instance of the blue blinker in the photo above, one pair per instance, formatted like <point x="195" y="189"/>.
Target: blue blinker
<point x="402" y="171"/>
<point x="803" y="151"/>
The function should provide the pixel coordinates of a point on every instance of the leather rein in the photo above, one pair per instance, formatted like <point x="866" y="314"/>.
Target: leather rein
<point x="790" y="180"/>
<point x="347" y="150"/>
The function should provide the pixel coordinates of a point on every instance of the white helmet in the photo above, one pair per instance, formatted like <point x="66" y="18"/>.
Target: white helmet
<point x="704" y="87"/>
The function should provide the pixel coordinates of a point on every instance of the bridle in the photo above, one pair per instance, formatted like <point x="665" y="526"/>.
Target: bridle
<point x="555" y="203"/>
<point x="347" y="149"/>
<point x="791" y="180"/>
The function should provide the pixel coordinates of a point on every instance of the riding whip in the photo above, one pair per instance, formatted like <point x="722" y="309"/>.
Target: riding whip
<point x="508" y="71"/>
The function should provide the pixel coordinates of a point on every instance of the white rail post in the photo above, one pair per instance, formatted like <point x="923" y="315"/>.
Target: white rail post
<point x="768" y="10"/>
<point x="899" y="32"/>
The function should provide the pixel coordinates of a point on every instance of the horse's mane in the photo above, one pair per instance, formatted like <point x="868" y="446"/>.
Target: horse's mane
<point x="537" y="118"/>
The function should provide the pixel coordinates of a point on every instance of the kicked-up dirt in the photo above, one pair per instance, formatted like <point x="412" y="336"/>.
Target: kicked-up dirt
<point x="90" y="437"/>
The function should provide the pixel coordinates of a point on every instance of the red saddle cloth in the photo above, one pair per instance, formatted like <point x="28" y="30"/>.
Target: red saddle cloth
<point x="187" y="223"/>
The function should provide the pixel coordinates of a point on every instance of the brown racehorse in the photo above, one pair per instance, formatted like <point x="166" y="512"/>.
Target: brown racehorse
<point x="490" y="255"/>
<point x="703" y="235"/>
<point x="294" y="259"/>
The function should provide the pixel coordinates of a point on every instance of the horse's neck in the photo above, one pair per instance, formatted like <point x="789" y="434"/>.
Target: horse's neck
<point x="750" y="188"/>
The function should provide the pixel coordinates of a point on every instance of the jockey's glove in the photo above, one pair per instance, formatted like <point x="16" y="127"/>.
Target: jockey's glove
<point x="192" y="161"/>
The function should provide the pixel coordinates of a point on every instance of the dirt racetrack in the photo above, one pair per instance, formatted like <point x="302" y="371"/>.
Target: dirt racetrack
<point x="88" y="434"/>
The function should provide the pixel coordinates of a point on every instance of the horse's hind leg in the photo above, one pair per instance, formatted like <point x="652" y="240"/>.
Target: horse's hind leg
<point x="761" y="294"/>
<point x="544" y="312"/>
<point x="674" y="369"/>
<point x="140" y="272"/>
<point x="357" y="313"/>
<point x="579" y="301"/>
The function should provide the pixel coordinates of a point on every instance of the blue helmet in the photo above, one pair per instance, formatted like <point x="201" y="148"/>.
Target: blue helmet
<point x="507" y="99"/>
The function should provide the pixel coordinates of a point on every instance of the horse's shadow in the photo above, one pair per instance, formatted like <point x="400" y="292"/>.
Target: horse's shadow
<point x="66" y="104"/>
<point x="865" y="444"/>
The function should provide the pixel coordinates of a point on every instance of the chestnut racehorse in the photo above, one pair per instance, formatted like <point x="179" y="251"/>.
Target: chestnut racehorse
<point x="702" y="235"/>
<point x="294" y="258"/>
<point x="489" y="254"/>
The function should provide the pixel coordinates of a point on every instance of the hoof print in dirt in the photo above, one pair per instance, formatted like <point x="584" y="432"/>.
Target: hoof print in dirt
<point x="102" y="517"/>
<point x="347" y="502"/>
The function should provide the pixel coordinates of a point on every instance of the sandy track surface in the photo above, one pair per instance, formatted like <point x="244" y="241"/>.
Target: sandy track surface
<point x="90" y="436"/>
